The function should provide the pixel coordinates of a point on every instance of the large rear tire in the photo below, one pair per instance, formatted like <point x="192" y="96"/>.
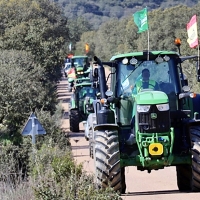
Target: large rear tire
<point x="195" y="150"/>
<point x="108" y="171"/>
<point x="74" y="120"/>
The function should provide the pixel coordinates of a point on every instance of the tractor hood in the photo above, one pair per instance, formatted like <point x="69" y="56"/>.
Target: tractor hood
<point x="79" y="68"/>
<point x="151" y="97"/>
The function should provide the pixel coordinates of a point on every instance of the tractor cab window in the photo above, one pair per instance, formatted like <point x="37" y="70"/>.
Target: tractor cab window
<point x="163" y="74"/>
<point x="157" y="73"/>
<point x="80" y="62"/>
<point x="87" y="92"/>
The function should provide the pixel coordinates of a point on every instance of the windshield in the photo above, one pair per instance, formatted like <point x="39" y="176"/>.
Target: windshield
<point x="67" y="66"/>
<point x="158" y="74"/>
<point x="80" y="62"/>
<point x="87" y="91"/>
<point x="163" y="77"/>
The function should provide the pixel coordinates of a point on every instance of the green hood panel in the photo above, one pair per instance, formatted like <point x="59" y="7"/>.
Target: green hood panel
<point x="79" y="69"/>
<point x="151" y="97"/>
<point x="70" y="80"/>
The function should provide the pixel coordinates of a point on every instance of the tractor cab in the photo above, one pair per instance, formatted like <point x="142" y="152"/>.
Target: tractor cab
<point x="81" y="64"/>
<point x="81" y="102"/>
<point x="132" y="89"/>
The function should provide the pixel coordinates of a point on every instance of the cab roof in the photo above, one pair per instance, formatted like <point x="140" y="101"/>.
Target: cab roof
<point x="141" y="53"/>
<point x="79" y="57"/>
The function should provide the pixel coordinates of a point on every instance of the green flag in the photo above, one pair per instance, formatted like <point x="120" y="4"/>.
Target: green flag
<point x="140" y="19"/>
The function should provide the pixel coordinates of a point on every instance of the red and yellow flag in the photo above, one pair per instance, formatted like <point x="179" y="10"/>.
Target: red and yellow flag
<point x="192" y="32"/>
<point x="71" y="73"/>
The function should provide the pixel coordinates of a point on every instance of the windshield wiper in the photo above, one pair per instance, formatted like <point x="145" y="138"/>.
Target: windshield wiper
<point x="133" y="71"/>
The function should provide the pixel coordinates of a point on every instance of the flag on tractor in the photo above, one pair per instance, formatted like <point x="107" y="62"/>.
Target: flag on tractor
<point x="192" y="32"/>
<point x="71" y="73"/>
<point x="140" y="19"/>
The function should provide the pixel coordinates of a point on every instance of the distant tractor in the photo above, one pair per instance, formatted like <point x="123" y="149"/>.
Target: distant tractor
<point x="80" y="63"/>
<point x="81" y="102"/>
<point x="150" y="129"/>
<point x="80" y="67"/>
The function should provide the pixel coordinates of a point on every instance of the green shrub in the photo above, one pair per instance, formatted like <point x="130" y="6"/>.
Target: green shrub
<point x="55" y="175"/>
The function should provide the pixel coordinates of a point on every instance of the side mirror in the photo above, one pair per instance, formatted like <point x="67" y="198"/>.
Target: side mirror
<point x="184" y="80"/>
<point x="186" y="88"/>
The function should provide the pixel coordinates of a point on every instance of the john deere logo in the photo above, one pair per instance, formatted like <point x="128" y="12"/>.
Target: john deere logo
<point x="153" y="115"/>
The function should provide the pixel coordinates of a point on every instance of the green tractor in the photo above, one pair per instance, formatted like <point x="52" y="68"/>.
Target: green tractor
<point x="80" y="67"/>
<point x="81" y="63"/>
<point x="151" y="129"/>
<point x="81" y="102"/>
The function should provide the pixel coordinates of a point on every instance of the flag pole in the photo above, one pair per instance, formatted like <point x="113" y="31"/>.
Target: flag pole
<point x="197" y="55"/>
<point x="198" y="65"/>
<point x="147" y="37"/>
<point x="198" y="61"/>
<point x="148" y="45"/>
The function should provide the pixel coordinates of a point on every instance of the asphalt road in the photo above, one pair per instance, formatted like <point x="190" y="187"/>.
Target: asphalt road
<point x="158" y="185"/>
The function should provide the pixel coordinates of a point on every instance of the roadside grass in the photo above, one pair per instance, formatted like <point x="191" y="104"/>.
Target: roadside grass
<point x="23" y="191"/>
<point x="47" y="170"/>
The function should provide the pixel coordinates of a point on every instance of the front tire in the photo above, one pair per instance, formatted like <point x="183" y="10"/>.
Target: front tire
<point x="74" y="120"/>
<point x="107" y="161"/>
<point x="184" y="174"/>
<point x="195" y="150"/>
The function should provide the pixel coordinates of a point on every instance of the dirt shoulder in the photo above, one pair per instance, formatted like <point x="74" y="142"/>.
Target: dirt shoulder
<point x="80" y="147"/>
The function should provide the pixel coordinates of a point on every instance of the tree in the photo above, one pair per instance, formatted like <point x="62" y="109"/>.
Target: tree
<point x="31" y="40"/>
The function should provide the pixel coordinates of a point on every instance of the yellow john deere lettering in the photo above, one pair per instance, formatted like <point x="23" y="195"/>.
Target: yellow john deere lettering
<point x="156" y="149"/>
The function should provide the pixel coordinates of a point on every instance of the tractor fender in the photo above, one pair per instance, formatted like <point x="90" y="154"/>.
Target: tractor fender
<point x="196" y="105"/>
<point x="106" y="127"/>
<point x="72" y="109"/>
<point x="70" y="80"/>
<point x="72" y="102"/>
<point x="91" y="120"/>
<point x="90" y="123"/>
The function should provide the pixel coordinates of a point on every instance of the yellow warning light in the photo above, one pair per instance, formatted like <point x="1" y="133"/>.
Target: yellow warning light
<point x="87" y="47"/>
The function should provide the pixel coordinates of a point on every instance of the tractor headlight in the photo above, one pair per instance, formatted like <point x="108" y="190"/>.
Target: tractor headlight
<point x="143" y="108"/>
<point x="163" y="107"/>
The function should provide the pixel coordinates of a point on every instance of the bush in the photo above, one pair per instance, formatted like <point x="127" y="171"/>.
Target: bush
<point x="13" y="164"/>
<point x="56" y="176"/>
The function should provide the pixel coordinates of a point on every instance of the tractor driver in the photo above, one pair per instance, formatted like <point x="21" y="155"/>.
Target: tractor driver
<point x="145" y="82"/>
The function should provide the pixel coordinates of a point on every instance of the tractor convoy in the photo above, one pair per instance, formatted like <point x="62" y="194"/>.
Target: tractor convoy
<point x="83" y="94"/>
<point x="150" y="128"/>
